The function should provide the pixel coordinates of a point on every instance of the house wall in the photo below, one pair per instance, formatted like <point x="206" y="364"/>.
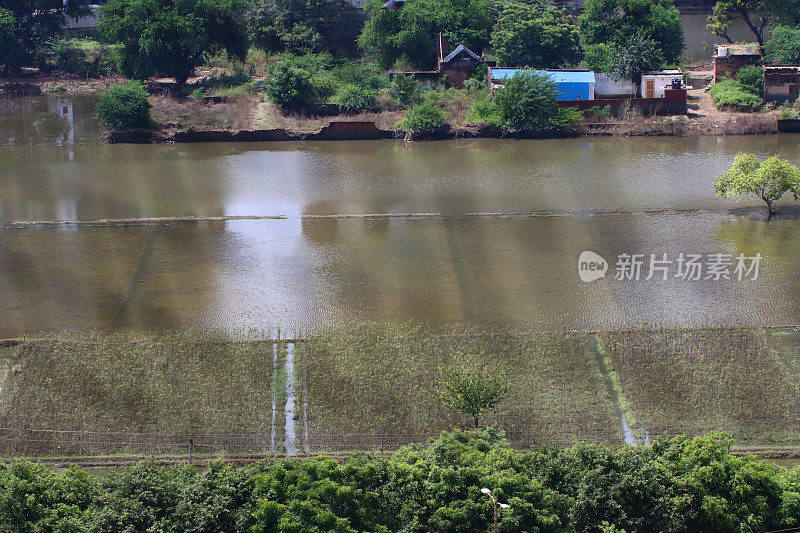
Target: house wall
<point x="568" y="91"/>
<point x="458" y="72"/>
<point x="781" y="86"/>
<point x="605" y="85"/>
<point x="661" y="83"/>
<point x="673" y="103"/>
<point x="728" y="66"/>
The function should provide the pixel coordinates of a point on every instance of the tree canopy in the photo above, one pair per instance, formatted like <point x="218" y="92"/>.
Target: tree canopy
<point x="408" y="34"/>
<point x="526" y="35"/>
<point x="303" y="26"/>
<point x="27" y="25"/>
<point x="615" y="22"/>
<point x="757" y="15"/>
<point x="172" y="37"/>
<point x="783" y="48"/>
<point x="768" y="180"/>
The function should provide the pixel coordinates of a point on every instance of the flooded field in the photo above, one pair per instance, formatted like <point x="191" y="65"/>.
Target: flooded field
<point x="444" y="261"/>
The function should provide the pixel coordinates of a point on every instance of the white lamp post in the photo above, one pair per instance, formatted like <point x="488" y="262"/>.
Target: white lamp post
<point x="495" y="505"/>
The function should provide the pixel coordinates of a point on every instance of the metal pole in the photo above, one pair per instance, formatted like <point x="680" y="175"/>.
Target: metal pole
<point x="494" y="502"/>
<point x="190" y="450"/>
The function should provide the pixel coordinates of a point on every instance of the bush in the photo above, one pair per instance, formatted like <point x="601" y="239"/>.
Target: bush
<point x="405" y="90"/>
<point x="752" y="78"/>
<point x="82" y="57"/>
<point x="732" y="94"/>
<point x="125" y="106"/>
<point x="422" y="117"/>
<point x="528" y="102"/>
<point x="293" y="87"/>
<point x="784" y="46"/>
<point x="351" y="97"/>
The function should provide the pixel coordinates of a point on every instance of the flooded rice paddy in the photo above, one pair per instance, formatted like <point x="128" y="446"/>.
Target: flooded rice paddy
<point x="461" y="251"/>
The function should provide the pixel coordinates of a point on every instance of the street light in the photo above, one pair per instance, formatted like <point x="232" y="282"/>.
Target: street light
<point x="495" y="505"/>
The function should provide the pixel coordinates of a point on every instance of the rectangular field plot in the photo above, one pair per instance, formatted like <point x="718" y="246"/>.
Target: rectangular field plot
<point x="378" y="385"/>
<point x="745" y="382"/>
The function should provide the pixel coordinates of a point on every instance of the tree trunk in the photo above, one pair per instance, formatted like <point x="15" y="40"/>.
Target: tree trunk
<point x="770" y="209"/>
<point x="758" y="34"/>
<point x="476" y="422"/>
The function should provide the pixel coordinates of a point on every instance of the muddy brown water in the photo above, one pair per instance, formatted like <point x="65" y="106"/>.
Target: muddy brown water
<point x="609" y="195"/>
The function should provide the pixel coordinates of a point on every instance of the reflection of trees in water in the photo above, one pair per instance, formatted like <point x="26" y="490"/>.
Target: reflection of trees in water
<point x="33" y="122"/>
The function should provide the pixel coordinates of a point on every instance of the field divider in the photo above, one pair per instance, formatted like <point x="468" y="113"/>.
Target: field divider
<point x="615" y="392"/>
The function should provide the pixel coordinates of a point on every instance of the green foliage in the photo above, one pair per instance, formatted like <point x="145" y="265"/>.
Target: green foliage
<point x="7" y="33"/>
<point x="405" y="90"/>
<point x="757" y="15"/>
<point x="783" y="48"/>
<point x="640" y="54"/>
<point x="303" y="26"/>
<point x="27" y="26"/>
<point x="527" y="101"/>
<point x="171" y="38"/>
<point x="526" y="36"/>
<point x="768" y="180"/>
<point x="124" y="107"/>
<point x="615" y="22"/>
<point x="752" y="78"/>
<point x="790" y="110"/>
<point x="293" y="87"/>
<point x="683" y="484"/>
<point x="407" y="34"/>
<point x="351" y="96"/>
<point x="471" y="387"/>
<point x="732" y="94"/>
<point x="82" y="57"/>
<point x="422" y="117"/>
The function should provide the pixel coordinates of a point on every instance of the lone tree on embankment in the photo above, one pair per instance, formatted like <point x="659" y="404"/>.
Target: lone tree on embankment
<point x="471" y="387"/>
<point x="767" y="180"/>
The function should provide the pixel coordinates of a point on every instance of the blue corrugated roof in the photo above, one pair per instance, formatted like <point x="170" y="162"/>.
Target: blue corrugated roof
<point x="558" y="76"/>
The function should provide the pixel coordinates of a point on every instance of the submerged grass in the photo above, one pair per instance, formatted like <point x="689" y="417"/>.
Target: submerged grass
<point x="742" y="381"/>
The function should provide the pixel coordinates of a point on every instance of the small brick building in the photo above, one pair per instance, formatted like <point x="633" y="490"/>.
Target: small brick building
<point x="729" y="58"/>
<point x="459" y="65"/>
<point x="781" y="84"/>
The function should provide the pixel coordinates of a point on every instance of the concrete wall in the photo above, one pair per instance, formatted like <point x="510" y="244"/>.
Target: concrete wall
<point x="661" y="82"/>
<point x="781" y="85"/>
<point x="673" y="103"/>
<point x="605" y="85"/>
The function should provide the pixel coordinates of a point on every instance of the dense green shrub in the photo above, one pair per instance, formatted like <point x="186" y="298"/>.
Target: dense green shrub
<point x="732" y="94"/>
<point x="783" y="48"/>
<point x="405" y="90"/>
<point x="293" y="87"/>
<point x="752" y="78"/>
<point x="82" y="56"/>
<point x="352" y="97"/>
<point x="124" y="107"/>
<point x="422" y="117"/>
<point x="527" y="101"/>
<point x="683" y="484"/>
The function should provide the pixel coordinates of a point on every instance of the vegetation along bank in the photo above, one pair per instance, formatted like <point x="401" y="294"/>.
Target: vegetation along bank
<point x="273" y="69"/>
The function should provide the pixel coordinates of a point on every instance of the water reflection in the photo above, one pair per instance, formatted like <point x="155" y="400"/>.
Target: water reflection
<point x="51" y="120"/>
<point x="564" y="175"/>
<point x="300" y="275"/>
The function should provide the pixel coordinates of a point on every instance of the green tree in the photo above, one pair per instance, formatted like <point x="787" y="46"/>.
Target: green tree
<point x="405" y="90"/>
<point x="527" y="36"/>
<point x="470" y="387"/>
<point x="757" y="15"/>
<point x="637" y="56"/>
<point x="783" y="48"/>
<point x="303" y="26"/>
<point x="616" y="21"/>
<point x="7" y="32"/>
<point x="422" y="117"/>
<point x="528" y="101"/>
<point x="293" y="87"/>
<point x="768" y="180"/>
<point x="124" y="106"/>
<point x="172" y="37"/>
<point x="407" y="34"/>
<point x="27" y="25"/>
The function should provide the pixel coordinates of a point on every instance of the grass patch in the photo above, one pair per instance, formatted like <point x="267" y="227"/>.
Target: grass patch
<point x="742" y="381"/>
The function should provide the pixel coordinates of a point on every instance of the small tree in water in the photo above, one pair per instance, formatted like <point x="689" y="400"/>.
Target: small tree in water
<point x="768" y="180"/>
<point x="471" y="388"/>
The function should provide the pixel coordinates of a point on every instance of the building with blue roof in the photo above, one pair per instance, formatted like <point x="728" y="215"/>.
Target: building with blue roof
<point x="572" y="85"/>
